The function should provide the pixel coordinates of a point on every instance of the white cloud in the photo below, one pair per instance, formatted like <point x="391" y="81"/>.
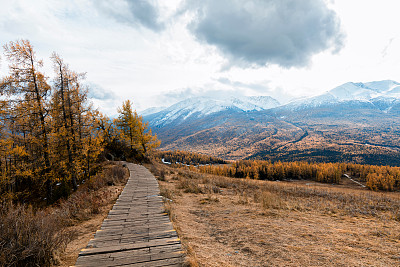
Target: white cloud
<point x="150" y="60"/>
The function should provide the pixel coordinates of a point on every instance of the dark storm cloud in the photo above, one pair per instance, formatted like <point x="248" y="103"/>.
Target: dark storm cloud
<point x="132" y="12"/>
<point x="260" y="32"/>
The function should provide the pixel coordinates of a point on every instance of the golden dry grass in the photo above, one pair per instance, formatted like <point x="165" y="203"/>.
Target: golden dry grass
<point x="236" y="222"/>
<point x="85" y="230"/>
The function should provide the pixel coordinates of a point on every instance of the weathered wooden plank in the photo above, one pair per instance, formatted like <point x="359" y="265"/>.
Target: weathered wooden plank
<point x="103" y="235"/>
<point x="148" y="223"/>
<point x="126" y="247"/>
<point x="116" y="240"/>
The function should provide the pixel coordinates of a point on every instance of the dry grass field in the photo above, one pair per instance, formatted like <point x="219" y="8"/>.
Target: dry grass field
<point x="235" y="222"/>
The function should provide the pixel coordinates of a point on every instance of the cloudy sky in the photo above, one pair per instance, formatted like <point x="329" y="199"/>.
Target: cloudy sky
<point x="157" y="52"/>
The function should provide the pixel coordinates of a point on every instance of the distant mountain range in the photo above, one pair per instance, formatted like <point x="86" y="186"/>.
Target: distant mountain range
<point x="198" y="107"/>
<point x="383" y="92"/>
<point x="354" y="122"/>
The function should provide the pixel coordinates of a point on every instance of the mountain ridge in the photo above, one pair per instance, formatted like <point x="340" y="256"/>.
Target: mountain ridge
<point x="350" y="91"/>
<point x="354" y="122"/>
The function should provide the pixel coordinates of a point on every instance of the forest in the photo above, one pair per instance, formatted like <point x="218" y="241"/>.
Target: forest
<point x="188" y="158"/>
<point x="385" y="178"/>
<point x="52" y="139"/>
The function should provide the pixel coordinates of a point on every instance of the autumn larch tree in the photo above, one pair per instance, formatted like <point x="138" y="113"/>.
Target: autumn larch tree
<point x="127" y="124"/>
<point x="133" y="130"/>
<point x="75" y="123"/>
<point x="63" y="113"/>
<point x="27" y="91"/>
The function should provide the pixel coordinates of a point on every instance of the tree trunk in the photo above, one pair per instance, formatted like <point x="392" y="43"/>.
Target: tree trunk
<point x="68" y="145"/>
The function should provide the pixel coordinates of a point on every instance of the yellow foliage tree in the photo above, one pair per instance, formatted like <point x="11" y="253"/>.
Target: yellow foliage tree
<point x="27" y="91"/>
<point x="133" y="130"/>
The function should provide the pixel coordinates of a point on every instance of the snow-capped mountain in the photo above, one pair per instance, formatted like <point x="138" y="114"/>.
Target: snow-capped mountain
<point x="354" y="122"/>
<point x="196" y="107"/>
<point x="264" y="102"/>
<point x="371" y="92"/>
<point x="380" y="95"/>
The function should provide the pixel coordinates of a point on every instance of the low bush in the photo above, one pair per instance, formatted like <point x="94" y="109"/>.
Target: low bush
<point x="29" y="238"/>
<point x="189" y="186"/>
<point x="111" y="175"/>
<point x="270" y="200"/>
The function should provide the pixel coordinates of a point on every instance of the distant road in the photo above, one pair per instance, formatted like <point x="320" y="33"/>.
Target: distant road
<point x="347" y="176"/>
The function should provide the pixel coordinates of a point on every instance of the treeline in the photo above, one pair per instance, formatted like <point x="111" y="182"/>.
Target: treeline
<point x="51" y="137"/>
<point x="265" y="170"/>
<point x="375" y="177"/>
<point x="188" y="158"/>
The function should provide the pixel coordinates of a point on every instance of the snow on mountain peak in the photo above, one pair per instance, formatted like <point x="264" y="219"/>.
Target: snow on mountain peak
<point x="264" y="102"/>
<point x="352" y="91"/>
<point x="365" y="92"/>
<point x="377" y="93"/>
<point x="202" y="106"/>
<point x="150" y="111"/>
<point x="382" y="86"/>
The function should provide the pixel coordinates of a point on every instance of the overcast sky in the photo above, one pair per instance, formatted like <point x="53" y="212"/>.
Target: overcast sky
<point x="157" y="52"/>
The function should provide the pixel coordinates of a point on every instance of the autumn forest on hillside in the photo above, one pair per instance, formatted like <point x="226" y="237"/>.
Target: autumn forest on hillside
<point x="52" y="138"/>
<point x="384" y="178"/>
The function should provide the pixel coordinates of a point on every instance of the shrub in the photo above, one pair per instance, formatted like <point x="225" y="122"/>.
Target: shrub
<point x="270" y="200"/>
<point x="28" y="238"/>
<point x="212" y="189"/>
<point x="189" y="186"/>
<point x="115" y="174"/>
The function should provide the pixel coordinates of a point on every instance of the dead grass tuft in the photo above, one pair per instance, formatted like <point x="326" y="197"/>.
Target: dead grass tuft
<point x="29" y="238"/>
<point x="167" y="193"/>
<point x="190" y="259"/>
<point x="209" y="199"/>
<point x="158" y="172"/>
<point x="270" y="200"/>
<point x="210" y="189"/>
<point x="111" y="175"/>
<point x="243" y="199"/>
<point x="189" y="186"/>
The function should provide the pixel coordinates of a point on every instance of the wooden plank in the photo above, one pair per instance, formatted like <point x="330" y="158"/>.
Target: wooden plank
<point x="126" y="247"/>
<point x="103" y="235"/>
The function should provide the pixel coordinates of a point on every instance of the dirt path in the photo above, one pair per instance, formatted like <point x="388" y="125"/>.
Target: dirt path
<point x="354" y="181"/>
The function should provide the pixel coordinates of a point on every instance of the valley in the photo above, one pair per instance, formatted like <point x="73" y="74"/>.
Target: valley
<point x="350" y="123"/>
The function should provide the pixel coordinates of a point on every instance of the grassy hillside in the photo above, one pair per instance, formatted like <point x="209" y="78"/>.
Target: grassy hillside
<point x="237" y="222"/>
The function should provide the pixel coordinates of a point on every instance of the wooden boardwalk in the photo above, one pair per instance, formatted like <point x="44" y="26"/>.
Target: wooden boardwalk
<point x="136" y="232"/>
